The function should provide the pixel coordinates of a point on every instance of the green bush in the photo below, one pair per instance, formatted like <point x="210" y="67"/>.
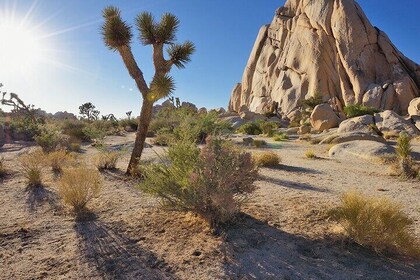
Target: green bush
<point x="25" y="127"/>
<point x="251" y="128"/>
<point x="259" y="143"/>
<point x="75" y="129"/>
<point x="281" y="137"/>
<point x="49" y="140"/>
<point x="268" y="128"/>
<point x="406" y="166"/>
<point x="212" y="182"/>
<point x="312" y="101"/>
<point x="357" y="110"/>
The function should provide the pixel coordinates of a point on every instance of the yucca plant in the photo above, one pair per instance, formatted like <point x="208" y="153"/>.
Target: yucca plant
<point x="404" y="150"/>
<point x="117" y="36"/>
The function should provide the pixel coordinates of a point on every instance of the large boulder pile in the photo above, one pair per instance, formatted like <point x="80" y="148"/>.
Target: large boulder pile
<point x="326" y="47"/>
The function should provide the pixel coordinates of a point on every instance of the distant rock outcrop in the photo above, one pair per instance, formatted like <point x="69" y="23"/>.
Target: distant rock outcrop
<point x="325" y="47"/>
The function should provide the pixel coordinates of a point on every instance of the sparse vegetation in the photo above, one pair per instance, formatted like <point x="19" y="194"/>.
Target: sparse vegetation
<point x="357" y="110"/>
<point x="310" y="154"/>
<point x="280" y="137"/>
<point x="268" y="128"/>
<point x="250" y="128"/>
<point x="403" y="150"/>
<point x="107" y="160"/>
<point x="49" y="140"/>
<point x="377" y="223"/>
<point x="78" y="186"/>
<point x="60" y="159"/>
<point x="32" y="166"/>
<point x="267" y="159"/>
<point x="259" y="143"/>
<point x="212" y="182"/>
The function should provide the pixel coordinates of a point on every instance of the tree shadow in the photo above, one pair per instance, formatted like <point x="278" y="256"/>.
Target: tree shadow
<point x="116" y="256"/>
<point x="38" y="195"/>
<point x="255" y="250"/>
<point x="292" y="184"/>
<point x="296" y="169"/>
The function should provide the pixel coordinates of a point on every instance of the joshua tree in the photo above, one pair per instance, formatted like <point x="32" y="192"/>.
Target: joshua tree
<point x="88" y="110"/>
<point x="128" y="114"/>
<point x="117" y="36"/>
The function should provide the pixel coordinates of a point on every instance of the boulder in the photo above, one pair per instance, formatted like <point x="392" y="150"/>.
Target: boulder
<point x="328" y="47"/>
<point x="391" y="121"/>
<point x="304" y="129"/>
<point x="228" y="114"/>
<point x="414" y="107"/>
<point x="235" y="122"/>
<point x="220" y="110"/>
<point x="189" y="105"/>
<point x="361" y="123"/>
<point x="352" y="136"/>
<point x="373" y="96"/>
<point x="168" y="104"/>
<point x="368" y="150"/>
<point x="202" y="110"/>
<point x="246" y="115"/>
<point x="323" y="117"/>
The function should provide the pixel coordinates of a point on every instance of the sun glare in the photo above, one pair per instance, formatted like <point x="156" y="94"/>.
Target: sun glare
<point x="21" y="49"/>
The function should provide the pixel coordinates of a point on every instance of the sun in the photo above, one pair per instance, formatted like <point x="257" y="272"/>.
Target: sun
<point x="21" y="48"/>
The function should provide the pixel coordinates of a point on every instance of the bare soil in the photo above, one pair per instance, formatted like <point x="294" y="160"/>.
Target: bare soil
<point x="281" y="234"/>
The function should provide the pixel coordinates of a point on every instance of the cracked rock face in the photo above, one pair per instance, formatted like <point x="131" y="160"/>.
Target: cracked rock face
<point x="327" y="47"/>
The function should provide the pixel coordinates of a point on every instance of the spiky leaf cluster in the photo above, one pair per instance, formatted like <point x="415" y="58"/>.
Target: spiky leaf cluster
<point x="152" y="32"/>
<point x="161" y="86"/>
<point x="180" y="54"/>
<point x="115" y="31"/>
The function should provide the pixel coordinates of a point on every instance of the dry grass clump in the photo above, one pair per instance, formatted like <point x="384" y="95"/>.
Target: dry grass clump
<point x="212" y="182"/>
<point x="267" y="159"/>
<point x="74" y="147"/>
<point x="59" y="160"/>
<point x="377" y="223"/>
<point x="106" y="160"/>
<point x="3" y="169"/>
<point x="78" y="186"/>
<point x="259" y="143"/>
<point x="32" y="166"/>
<point x="310" y="154"/>
<point x="390" y="134"/>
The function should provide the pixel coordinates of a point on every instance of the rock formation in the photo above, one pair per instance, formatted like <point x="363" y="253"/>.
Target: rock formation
<point x="327" y="47"/>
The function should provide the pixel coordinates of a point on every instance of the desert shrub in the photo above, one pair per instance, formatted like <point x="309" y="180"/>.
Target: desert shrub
<point x="268" y="128"/>
<point x="164" y="137"/>
<point x="310" y="154"/>
<point x="3" y="169"/>
<point x="312" y="101"/>
<point x="250" y="128"/>
<point x="377" y="223"/>
<point x="25" y="127"/>
<point x="267" y="159"/>
<point x="74" y="147"/>
<point x="60" y="159"/>
<point x="132" y="123"/>
<point x="259" y="143"/>
<point x="405" y="162"/>
<point x="32" y="166"/>
<point x="212" y="182"/>
<point x="48" y="140"/>
<point x="106" y="159"/>
<point x="94" y="133"/>
<point x="78" y="186"/>
<point x="357" y="110"/>
<point x="280" y="137"/>
<point x="74" y="129"/>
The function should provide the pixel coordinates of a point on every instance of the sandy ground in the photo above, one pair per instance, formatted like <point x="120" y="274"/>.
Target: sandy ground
<point x="282" y="233"/>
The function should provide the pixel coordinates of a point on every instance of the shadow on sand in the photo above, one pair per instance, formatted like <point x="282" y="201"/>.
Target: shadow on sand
<point x="292" y="184"/>
<point x="37" y="196"/>
<point x="115" y="256"/>
<point x="296" y="169"/>
<point x="256" y="250"/>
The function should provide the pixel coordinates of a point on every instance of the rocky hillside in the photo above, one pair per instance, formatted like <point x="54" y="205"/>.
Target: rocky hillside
<point x="326" y="47"/>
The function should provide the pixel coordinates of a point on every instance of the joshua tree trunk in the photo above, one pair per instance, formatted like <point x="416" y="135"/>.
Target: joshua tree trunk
<point x="145" y="118"/>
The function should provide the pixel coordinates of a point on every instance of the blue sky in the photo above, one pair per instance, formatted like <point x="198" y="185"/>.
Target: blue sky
<point x="81" y="69"/>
